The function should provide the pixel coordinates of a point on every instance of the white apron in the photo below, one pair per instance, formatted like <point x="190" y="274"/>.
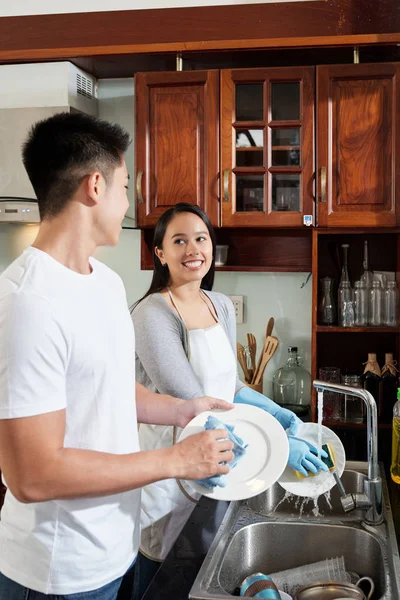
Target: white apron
<point x="167" y="504"/>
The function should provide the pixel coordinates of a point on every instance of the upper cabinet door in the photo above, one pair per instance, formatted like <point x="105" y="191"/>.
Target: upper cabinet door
<point x="357" y="142"/>
<point x="267" y="146"/>
<point x="177" y="157"/>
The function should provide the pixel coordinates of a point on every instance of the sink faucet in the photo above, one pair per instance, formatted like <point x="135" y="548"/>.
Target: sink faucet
<point x="371" y="500"/>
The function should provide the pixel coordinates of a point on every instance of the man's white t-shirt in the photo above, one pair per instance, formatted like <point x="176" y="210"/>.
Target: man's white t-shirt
<point x="67" y="342"/>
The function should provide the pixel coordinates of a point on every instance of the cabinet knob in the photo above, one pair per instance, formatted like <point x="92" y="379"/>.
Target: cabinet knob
<point x="139" y="193"/>
<point x="323" y="184"/>
<point x="226" y="185"/>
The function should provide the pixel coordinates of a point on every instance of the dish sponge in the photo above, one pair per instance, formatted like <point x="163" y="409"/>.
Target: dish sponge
<point x="329" y="461"/>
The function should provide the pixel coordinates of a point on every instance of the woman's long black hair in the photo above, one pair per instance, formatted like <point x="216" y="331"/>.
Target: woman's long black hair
<point x="161" y="273"/>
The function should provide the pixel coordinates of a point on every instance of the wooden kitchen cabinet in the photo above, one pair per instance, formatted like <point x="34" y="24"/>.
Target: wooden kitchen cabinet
<point x="177" y="142"/>
<point x="358" y="145"/>
<point x="267" y="146"/>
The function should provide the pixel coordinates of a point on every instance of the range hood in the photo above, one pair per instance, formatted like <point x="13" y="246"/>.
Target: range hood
<point x="29" y="93"/>
<point x="19" y="210"/>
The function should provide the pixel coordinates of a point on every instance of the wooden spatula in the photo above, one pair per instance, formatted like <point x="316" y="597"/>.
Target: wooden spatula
<point x="269" y="350"/>
<point x="270" y="326"/>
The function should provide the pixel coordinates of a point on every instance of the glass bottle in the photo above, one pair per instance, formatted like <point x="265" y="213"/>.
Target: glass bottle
<point x="292" y="384"/>
<point x="345" y="294"/>
<point x="367" y="276"/>
<point x="390" y="304"/>
<point x="395" y="466"/>
<point x="360" y="304"/>
<point x="327" y="307"/>
<point x="375" y="304"/>
<point x="346" y="305"/>
<point x="372" y="378"/>
<point x="389" y="388"/>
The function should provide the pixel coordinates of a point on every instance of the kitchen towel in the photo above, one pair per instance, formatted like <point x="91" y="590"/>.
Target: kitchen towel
<point x="239" y="450"/>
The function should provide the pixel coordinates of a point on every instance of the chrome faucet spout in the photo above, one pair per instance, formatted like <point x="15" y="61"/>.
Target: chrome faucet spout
<point x="373" y="484"/>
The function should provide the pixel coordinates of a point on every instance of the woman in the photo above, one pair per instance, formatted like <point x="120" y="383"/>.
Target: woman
<point x="185" y="346"/>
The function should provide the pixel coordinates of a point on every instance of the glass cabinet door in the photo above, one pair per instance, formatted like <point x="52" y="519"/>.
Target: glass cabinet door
<point x="267" y="146"/>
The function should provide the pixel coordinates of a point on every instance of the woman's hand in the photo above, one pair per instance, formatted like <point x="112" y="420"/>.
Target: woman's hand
<point x="188" y="409"/>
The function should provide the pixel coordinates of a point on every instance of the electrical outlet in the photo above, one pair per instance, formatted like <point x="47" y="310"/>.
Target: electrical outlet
<point x="238" y="305"/>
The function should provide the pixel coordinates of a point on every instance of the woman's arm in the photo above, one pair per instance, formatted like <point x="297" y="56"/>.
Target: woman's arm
<point x="160" y="350"/>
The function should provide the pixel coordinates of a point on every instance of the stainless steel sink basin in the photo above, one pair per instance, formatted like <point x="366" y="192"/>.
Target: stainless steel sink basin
<point x="271" y="547"/>
<point x="261" y="535"/>
<point x="275" y="502"/>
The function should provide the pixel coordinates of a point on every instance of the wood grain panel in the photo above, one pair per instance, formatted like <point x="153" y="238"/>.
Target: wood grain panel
<point x="363" y="149"/>
<point x="200" y="28"/>
<point x="176" y="143"/>
<point x="358" y="141"/>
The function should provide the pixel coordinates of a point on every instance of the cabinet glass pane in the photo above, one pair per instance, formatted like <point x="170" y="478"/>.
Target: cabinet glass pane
<point x="249" y="193"/>
<point x="249" y="102"/>
<point x="249" y="147"/>
<point x="286" y="192"/>
<point x="286" y="147"/>
<point x="285" y="101"/>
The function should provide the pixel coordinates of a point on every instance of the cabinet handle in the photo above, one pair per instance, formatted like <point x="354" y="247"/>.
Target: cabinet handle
<point x="323" y="184"/>
<point x="226" y="185"/>
<point x="139" y="193"/>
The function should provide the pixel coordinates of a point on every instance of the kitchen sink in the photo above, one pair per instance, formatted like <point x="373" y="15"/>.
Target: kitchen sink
<point x="272" y="532"/>
<point x="271" y="547"/>
<point x="276" y="502"/>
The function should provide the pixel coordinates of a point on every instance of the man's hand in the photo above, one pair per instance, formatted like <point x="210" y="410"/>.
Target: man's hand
<point x="200" y="455"/>
<point x="188" y="409"/>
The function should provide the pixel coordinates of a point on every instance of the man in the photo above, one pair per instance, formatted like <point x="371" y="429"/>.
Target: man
<point x="68" y="418"/>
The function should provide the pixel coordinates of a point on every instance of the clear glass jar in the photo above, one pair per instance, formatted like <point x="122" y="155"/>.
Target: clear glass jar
<point x="360" y="304"/>
<point x="375" y="304"/>
<point x="390" y="304"/>
<point x="353" y="407"/>
<point x="332" y="400"/>
<point x="292" y="384"/>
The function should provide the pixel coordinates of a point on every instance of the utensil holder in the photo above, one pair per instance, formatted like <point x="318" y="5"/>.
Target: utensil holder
<point x="258" y="387"/>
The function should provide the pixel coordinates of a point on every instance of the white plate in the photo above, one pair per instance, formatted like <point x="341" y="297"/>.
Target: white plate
<point x="266" y="455"/>
<point x="316" y="485"/>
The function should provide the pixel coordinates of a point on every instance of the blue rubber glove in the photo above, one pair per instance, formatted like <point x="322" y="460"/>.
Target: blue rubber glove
<point x="286" y="417"/>
<point x="303" y="457"/>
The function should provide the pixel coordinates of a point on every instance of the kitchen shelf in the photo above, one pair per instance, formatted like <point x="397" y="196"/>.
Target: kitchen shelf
<point x="265" y="268"/>
<point x="337" y="329"/>
<point x="340" y="425"/>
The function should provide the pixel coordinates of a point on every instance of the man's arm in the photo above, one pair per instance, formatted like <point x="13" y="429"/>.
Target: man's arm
<point x="37" y="467"/>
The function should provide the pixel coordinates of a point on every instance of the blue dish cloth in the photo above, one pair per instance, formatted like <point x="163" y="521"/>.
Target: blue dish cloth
<point x="239" y="450"/>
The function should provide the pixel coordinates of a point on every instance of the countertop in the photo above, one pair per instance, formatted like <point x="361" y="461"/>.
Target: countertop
<point x="179" y="570"/>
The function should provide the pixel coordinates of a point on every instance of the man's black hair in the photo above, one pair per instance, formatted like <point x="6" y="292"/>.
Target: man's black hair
<point x="62" y="150"/>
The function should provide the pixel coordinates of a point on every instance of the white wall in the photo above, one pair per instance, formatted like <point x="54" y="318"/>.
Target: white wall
<point x="42" y="7"/>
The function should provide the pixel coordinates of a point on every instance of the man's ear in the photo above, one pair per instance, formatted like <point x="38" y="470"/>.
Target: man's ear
<point x="94" y="186"/>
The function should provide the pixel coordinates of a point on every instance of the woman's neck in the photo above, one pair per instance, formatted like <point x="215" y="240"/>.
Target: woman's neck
<point x="186" y="293"/>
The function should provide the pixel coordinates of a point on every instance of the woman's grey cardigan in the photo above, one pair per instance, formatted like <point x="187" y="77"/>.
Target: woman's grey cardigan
<point x="162" y="363"/>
